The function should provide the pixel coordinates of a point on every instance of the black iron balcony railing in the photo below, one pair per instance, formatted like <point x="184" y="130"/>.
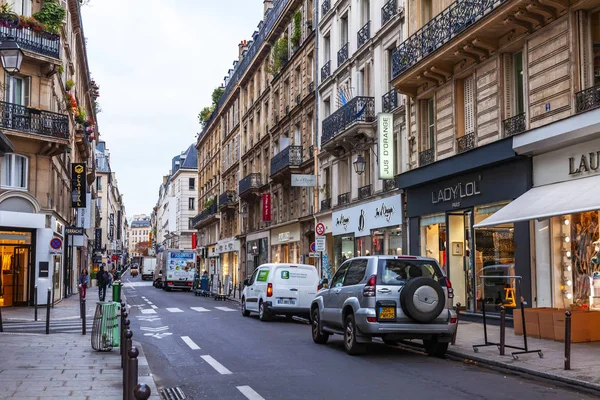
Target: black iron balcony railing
<point x="514" y="125"/>
<point x="426" y="157"/>
<point x="325" y="7"/>
<point x="44" y="43"/>
<point x="326" y="71"/>
<point x="325" y="204"/>
<point x="587" y="99"/>
<point x="343" y="55"/>
<point x="364" y="34"/>
<point x="390" y="101"/>
<point x="291" y="156"/>
<point x="31" y="120"/>
<point x="252" y="181"/>
<point x="343" y="199"/>
<point x="464" y="143"/>
<point x="389" y="185"/>
<point x="226" y="198"/>
<point x="207" y="212"/>
<point x="359" y="109"/>
<point x="364" y="192"/>
<point x="388" y="11"/>
<point x="441" y="29"/>
<point x="311" y="87"/>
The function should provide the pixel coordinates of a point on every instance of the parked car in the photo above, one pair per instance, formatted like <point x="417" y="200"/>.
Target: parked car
<point x="390" y="297"/>
<point x="280" y="289"/>
<point x="134" y="270"/>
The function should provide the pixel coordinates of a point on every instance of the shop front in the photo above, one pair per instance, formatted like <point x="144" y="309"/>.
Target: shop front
<point x="446" y="201"/>
<point x="257" y="251"/>
<point x="285" y="244"/>
<point x="229" y="250"/>
<point x="373" y="228"/>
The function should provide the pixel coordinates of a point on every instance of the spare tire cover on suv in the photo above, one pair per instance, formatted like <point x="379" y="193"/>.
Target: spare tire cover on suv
<point x="422" y="299"/>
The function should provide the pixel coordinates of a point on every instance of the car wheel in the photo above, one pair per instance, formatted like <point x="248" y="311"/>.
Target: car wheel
<point x="352" y="346"/>
<point x="245" y="311"/>
<point x="435" y="348"/>
<point x="318" y="336"/>
<point x="263" y="314"/>
<point x="422" y="299"/>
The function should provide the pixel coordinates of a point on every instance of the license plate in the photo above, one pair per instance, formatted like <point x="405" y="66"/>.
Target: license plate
<point x="387" y="313"/>
<point x="286" y="301"/>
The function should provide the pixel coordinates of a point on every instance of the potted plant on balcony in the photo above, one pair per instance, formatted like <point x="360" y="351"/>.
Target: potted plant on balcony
<point x="80" y="115"/>
<point x="297" y="34"/>
<point x="69" y="85"/>
<point x="51" y="15"/>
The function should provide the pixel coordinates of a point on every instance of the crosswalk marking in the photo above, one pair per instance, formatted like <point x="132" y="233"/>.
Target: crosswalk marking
<point x="225" y="309"/>
<point x="200" y="309"/>
<point x="149" y="311"/>
<point x="153" y="307"/>
<point x="190" y="343"/>
<point x="249" y="393"/>
<point x="216" y="365"/>
<point x="174" y="310"/>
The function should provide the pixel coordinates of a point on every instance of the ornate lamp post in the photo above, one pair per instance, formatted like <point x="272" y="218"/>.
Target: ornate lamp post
<point x="10" y="51"/>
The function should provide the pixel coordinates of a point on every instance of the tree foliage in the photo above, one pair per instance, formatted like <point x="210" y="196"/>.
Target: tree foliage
<point x="142" y="248"/>
<point x="206" y="112"/>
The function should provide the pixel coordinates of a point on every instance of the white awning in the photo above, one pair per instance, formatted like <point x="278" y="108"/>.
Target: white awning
<point x="546" y="201"/>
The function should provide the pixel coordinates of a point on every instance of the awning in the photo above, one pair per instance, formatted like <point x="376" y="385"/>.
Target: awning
<point x="546" y="201"/>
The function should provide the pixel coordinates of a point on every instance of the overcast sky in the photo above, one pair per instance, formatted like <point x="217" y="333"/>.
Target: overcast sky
<point x="157" y="63"/>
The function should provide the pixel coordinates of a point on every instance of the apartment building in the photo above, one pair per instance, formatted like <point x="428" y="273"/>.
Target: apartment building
<point x="360" y="204"/>
<point x="183" y="181"/>
<point x="139" y="232"/>
<point x="46" y="138"/>
<point x="165" y="215"/>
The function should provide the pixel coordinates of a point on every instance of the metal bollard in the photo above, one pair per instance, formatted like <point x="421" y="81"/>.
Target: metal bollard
<point x="1" y="327"/>
<point x="48" y="312"/>
<point x="132" y="370"/>
<point x="124" y="344"/>
<point x="502" y="329"/>
<point x="568" y="340"/>
<point x="142" y="392"/>
<point x="128" y="336"/>
<point x="83" y="326"/>
<point x="35" y="302"/>
<point x="457" y="308"/>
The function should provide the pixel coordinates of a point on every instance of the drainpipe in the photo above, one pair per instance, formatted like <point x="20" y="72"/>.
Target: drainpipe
<point x="316" y="130"/>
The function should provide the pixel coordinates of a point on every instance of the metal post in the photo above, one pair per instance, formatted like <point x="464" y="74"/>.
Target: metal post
<point x="123" y="344"/>
<point x="457" y="317"/>
<point x="83" y="326"/>
<point x="48" y="312"/>
<point x="128" y="336"/>
<point x="568" y="340"/>
<point x="502" y="329"/>
<point x="1" y="327"/>
<point x="142" y="392"/>
<point x="524" y="325"/>
<point x="132" y="371"/>
<point x="35" y="302"/>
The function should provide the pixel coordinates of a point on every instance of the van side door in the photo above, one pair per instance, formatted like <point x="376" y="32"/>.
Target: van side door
<point x="251" y="298"/>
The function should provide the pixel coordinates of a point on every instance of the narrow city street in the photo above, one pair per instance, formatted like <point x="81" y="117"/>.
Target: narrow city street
<point x="210" y="351"/>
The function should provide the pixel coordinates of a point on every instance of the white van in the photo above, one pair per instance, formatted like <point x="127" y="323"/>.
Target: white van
<point x="280" y="289"/>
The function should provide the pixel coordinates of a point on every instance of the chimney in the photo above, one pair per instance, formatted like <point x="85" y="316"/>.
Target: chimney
<point x="267" y="4"/>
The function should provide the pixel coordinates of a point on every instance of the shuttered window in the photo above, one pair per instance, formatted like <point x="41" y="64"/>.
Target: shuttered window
<point x="469" y="105"/>
<point x="427" y="119"/>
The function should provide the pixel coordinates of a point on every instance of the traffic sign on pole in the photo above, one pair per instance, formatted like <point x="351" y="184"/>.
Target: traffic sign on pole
<point x="313" y="247"/>
<point x="320" y="243"/>
<point x="320" y="229"/>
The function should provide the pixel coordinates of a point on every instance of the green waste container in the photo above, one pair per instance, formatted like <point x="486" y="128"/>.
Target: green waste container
<point x="105" y="329"/>
<point x="116" y="291"/>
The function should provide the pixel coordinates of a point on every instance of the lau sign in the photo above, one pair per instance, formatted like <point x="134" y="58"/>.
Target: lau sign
<point x="361" y="219"/>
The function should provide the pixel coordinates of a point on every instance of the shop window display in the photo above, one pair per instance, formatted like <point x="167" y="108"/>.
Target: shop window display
<point x="363" y="246"/>
<point x="433" y="238"/>
<point x="343" y="249"/>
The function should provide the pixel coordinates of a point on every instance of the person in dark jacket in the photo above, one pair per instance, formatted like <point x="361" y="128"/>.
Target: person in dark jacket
<point x="103" y="280"/>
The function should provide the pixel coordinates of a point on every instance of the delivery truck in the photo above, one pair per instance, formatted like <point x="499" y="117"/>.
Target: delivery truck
<point x="179" y="267"/>
<point x="147" y="267"/>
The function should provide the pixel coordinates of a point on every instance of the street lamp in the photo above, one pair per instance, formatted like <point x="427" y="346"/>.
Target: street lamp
<point x="359" y="164"/>
<point x="11" y="55"/>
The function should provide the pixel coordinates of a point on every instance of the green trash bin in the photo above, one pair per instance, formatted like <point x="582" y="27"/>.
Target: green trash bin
<point x="116" y="291"/>
<point x="105" y="329"/>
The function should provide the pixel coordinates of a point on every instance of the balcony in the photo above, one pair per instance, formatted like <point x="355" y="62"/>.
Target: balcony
<point x="326" y="71"/>
<point x="364" y="192"/>
<point x="342" y="55"/>
<point x="364" y="34"/>
<point x="42" y="43"/>
<point x="325" y="7"/>
<point x="587" y="99"/>
<point x="311" y="87"/>
<point x="389" y="185"/>
<point x="343" y="199"/>
<point x="326" y="204"/>
<point x="390" y="101"/>
<point x="285" y="161"/>
<point x="227" y="199"/>
<point x="465" y="143"/>
<point x="358" y="110"/>
<point x="250" y="184"/>
<point x="426" y="157"/>
<point x="31" y="120"/>
<point x="514" y="125"/>
<point x="207" y="216"/>
<point x="388" y="11"/>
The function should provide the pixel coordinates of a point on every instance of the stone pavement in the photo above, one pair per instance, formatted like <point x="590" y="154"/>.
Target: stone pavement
<point x="585" y="357"/>
<point x="66" y="309"/>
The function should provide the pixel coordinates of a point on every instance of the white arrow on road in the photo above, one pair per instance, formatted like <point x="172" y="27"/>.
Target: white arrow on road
<point x="150" y="329"/>
<point x="148" y="318"/>
<point x="158" y="335"/>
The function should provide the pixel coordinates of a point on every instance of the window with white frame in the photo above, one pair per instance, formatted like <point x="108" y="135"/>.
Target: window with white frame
<point x="17" y="90"/>
<point x="14" y="171"/>
<point x="22" y="7"/>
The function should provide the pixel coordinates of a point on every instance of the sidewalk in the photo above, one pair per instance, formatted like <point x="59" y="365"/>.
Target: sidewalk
<point x="585" y="357"/>
<point x="64" y="310"/>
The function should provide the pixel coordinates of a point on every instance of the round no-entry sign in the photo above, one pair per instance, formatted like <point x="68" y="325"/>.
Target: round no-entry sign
<point x="56" y="243"/>
<point x="313" y="247"/>
<point x="320" y="229"/>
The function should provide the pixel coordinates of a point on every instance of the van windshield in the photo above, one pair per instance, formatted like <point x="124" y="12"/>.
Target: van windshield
<point x="398" y="271"/>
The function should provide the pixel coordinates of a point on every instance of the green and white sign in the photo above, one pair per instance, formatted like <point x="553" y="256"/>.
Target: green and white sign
<point x="263" y="275"/>
<point x="285" y="274"/>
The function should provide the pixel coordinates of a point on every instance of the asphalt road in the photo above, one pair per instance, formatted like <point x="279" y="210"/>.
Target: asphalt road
<point x="215" y="353"/>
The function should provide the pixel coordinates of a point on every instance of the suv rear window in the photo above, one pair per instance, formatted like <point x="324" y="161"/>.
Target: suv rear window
<point x="397" y="272"/>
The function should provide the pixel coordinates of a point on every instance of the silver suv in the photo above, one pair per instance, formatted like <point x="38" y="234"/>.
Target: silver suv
<point x="391" y="297"/>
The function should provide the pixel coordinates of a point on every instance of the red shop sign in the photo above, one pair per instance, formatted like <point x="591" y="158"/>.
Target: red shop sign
<point x="266" y="209"/>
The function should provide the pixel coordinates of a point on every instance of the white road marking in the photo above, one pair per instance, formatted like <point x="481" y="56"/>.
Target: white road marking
<point x="144" y="297"/>
<point x="250" y="393"/>
<point x="200" y="309"/>
<point x="153" y="307"/>
<point x="190" y="343"/>
<point x="148" y="318"/>
<point x="225" y="309"/>
<point x="149" y="302"/>
<point x="173" y="310"/>
<point x="158" y="335"/>
<point x="150" y="329"/>
<point x="148" y="311"/>
<point x="216" y="365"/>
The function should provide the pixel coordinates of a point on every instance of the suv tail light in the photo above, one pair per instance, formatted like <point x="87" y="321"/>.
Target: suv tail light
<point x="269" y="290"/>
<point x="446" y="282"/>
<point x="370" y="287"/>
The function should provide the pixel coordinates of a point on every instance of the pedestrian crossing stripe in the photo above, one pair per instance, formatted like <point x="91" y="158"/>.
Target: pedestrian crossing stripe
<point x="174" y="310"/>
<point x="200" y="309"/>
<point x="225" y="309"/>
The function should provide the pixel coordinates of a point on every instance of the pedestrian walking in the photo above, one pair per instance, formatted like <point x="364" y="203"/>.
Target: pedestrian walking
<point x="103" y="280"/>
<point x="84" y="279"/>
<point x="111" y="277"/>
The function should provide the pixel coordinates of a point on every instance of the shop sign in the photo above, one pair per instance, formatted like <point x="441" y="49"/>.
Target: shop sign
<point x="285" y="237"/>
<point x="385" y="127"/>
<point x="266" y="208"/>
<point x="456" y="193"/>
<point x="212" y="252"/>
<point x="226" y="246"/>
<point x="78" y="178"/>
<point x="304" y="180"/>
<point x="584" y="163"/>
<point x="572" y="162"/>
<point x="98" y="239"/>
<point x="373" y="215"/>
<point x="73" y="231"/>
<point x="84" y="215"/>
<point x="111" y="226"/>
<point x="119" y="226"/>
